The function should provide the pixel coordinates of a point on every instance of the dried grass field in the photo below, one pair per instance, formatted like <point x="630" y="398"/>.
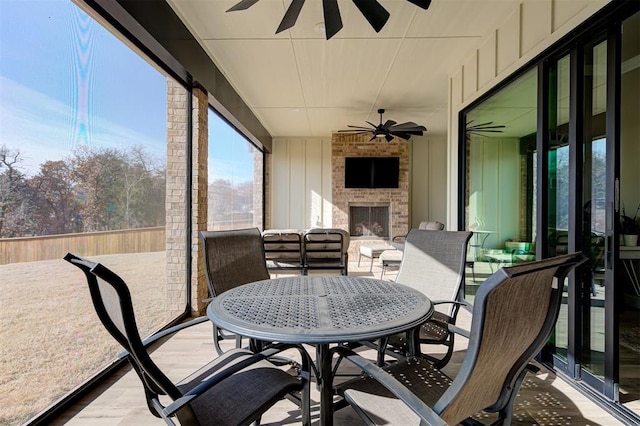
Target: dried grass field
<point x="50" y="337"/>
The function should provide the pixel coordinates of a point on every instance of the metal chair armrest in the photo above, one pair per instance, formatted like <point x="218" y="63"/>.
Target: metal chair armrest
<point x="422" y="410"/>
<point x="458" y="330"/>
<point x="453" y="302"/>
<point x="194" y="393"/>
<point x="171" y="330"/>
<point x="167" y="332"/>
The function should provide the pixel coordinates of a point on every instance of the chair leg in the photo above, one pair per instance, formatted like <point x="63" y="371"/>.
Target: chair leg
<point x="471" y="264"/>
<point x="382" y="349"/>
<point x="506" y="414"/>
<point x="447" y="357"/>
<point x="216" y="340"/>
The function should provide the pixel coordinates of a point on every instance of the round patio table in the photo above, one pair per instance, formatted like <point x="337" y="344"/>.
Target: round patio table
<point x="320" y="310"/>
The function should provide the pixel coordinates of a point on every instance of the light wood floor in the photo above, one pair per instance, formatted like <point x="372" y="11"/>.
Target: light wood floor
<point x="543" y="399"/>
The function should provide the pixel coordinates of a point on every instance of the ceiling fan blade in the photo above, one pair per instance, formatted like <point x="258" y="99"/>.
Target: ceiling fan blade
<point x="479" y="125"/>
<point x="372" y="138"/>
<point x="421" y="3"/>
<point x="479" y="132"/>
<point x="388" y="124"/>
<point x="487" y="124"/>
<point x="359" y="127"/>
<point x="388" y="137"/>
<point x="402" y="135"/>
<point x="355" y="132"/>
<point x="356" y="129"/>
<point x="418" y="132"/>
<point x="242" y="5"/>
<point x="487" y="128"/>
<point x="371" y="124"/>
<point x="332" y="19"/>
<point x="291" y="16"/>
<point x="408" y="126"/>
<point x="481" y="129"/>
<point x="373" y="12"/>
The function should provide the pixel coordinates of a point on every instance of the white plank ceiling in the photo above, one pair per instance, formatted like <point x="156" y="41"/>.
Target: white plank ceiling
<point x="299" y="84"/>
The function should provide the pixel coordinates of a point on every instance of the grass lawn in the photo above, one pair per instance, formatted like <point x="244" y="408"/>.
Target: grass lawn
<point x="50" y="337"/>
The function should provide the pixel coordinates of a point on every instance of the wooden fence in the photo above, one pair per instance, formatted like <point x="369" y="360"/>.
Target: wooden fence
<point x="31" y="249"/>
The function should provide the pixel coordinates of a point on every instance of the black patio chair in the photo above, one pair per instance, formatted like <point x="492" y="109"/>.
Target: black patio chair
<point x="234" y="389"/>
<point x="433" y="263"/>
<point x="232" y="258"/>
<point x="514" y="314"/>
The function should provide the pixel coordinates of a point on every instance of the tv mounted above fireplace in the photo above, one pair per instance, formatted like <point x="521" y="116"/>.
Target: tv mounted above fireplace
<point x="371" y="172"/>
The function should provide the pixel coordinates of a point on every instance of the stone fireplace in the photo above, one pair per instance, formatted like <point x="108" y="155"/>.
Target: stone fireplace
<point x="394" y="200"/>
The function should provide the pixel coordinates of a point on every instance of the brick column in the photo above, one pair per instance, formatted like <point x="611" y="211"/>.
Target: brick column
<point x="267" y="190"/>
<point x="176" y="190"/>
<point x="199" y="197"/>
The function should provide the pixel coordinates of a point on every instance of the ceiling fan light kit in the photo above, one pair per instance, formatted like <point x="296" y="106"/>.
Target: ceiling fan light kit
<point x="372" y="10"/>
<point x="387" y="130"/>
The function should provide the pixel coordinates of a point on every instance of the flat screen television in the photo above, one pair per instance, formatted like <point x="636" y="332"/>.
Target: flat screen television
<point x="371" y="172"/>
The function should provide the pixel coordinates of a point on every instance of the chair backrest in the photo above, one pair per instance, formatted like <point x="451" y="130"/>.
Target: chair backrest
<point x="514" y="313"/>
<point x="112" y="301"/>
<point x="433" y="263"/>
<point x="233" y="258"/>
<point x="326" y="245"/>
<point x="431" y="226"/>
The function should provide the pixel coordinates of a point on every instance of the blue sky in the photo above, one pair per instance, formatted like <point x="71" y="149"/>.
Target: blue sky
<point x="65" y="81"/>
<point x="54" y="63"/>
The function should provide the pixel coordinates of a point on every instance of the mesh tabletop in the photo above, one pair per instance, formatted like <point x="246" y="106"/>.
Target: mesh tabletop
<point x="319" y="309"/>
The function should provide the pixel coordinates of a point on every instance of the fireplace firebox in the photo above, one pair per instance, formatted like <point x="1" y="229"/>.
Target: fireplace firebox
<point x="370" y="220"/>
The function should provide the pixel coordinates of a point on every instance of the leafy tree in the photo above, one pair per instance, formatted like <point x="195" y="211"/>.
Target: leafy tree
<point x="229" y="202"/>
<point x="221" y="196"/>
<point x="243" y="200"/>
<point x="95" y="190"/>
<point x="54" y="200"/>
<point x="99" y="176"/>
<point x="119" y="189"/>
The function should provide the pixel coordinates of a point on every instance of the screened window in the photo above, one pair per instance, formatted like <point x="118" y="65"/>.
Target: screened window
<point x="82" y="169"/>
<point x="235" y="176"/>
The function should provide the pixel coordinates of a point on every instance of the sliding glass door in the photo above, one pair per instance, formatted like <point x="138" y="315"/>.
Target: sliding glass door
<point x="559" y="187"/>
<point x="549" y="166"/>
<point x="592" y="163"/>
<point x="627" y="314"/>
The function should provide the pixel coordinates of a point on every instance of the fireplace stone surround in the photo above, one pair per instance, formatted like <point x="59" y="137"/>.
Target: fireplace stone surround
<point x="345" y="145"/>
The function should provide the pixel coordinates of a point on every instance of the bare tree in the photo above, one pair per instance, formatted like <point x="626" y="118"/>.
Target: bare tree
<point x="12" y="183"/>
<point x="142" y="177"/>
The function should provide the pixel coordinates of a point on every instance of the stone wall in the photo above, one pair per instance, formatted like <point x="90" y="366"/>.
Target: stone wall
<point x="344" y="145"/>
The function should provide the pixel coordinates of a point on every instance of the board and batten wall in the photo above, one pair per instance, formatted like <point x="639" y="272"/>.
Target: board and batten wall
<point x="300" y="186"/>
<point x="491" y="161"/>
<point x="525" y="32"/>
<point x="300" y="183"/>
